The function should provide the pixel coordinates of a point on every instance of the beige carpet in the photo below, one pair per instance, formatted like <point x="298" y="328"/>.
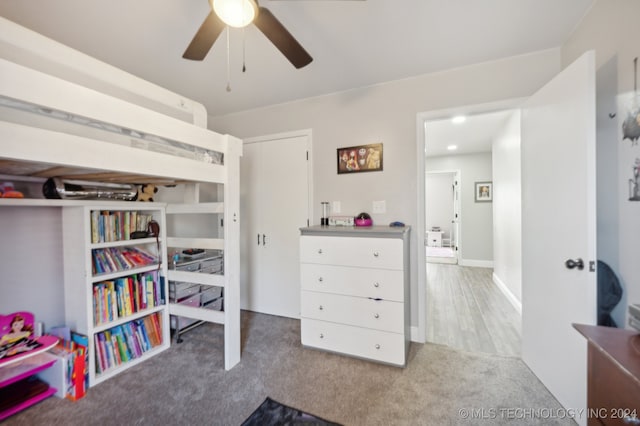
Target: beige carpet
<point x="187" y="385"/>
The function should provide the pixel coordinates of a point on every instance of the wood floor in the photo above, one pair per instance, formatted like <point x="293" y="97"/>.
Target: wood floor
<point x="466" y="310"/>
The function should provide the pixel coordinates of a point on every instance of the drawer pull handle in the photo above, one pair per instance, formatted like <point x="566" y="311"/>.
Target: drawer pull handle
<point x="319" y="251"/>
<point x="376" y="285"/>
<point x="376" y="316"/>
<point x="320" y="307"/>
<point x="321" y="336"/>
<point x="377" y="346"/>
<point x="320" y="279"/>
<point x="628" y="420"/>
<point x="376" y="254"/>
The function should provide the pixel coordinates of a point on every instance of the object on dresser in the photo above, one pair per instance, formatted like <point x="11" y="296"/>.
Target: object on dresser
<point x="435" y="229"/>
<point x="396" y="224"/>
<point x="324" y="220"/>
<point x="363" y="219"/>
<point x="68" y="189"/>
<point x="341" y="220"/>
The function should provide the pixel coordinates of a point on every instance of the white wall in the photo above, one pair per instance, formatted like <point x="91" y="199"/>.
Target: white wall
<point x="507" y="211"/>
<point x="387" y="113"/>
<point x="31" y="263"/>
<point x="476" y="219"/>
<point x="611" y="29"/>
<point x="439" y="200"/>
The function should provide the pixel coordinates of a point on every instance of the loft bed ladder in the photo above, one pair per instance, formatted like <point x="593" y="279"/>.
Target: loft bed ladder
<point x="229" y="317"/>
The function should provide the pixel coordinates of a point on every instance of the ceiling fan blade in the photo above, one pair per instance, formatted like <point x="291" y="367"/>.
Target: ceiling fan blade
<point x="281" y="38"/>
<point x="205" y="37"/>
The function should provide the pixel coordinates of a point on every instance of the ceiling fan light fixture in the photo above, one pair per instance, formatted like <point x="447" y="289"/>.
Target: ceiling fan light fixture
<point x="235" y="13"/>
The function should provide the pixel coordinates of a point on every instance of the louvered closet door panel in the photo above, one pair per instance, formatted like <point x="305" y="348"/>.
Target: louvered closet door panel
<point x="383" y="253"/>
<point x="377" y="283"/>
<point x="359" y="311"/>
<point x="356" y="341"/>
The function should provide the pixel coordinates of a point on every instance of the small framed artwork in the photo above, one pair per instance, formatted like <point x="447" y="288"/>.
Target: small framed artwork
<point x="362" y="158"/>
<point x="484" y="192"/>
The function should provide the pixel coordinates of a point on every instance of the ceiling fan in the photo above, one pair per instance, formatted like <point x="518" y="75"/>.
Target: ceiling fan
<point x="240" y="13"/>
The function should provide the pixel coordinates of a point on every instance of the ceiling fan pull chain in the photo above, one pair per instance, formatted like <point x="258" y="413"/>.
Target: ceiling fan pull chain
<point x="244" y="56"/>
<point x="228" y="66"/>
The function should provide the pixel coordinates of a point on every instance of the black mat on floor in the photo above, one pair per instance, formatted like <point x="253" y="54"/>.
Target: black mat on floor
<point x="273" y="413"/>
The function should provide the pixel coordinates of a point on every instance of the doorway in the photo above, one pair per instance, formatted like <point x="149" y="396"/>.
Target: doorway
<point x="442" y="206"/>
<point x="468" y="305"/>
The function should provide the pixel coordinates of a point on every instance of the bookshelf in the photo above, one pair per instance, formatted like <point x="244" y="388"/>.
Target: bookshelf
<point x="115" y="287"/>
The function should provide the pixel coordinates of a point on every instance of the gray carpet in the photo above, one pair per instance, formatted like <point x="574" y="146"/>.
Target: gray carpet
<point x="187" y="385"/>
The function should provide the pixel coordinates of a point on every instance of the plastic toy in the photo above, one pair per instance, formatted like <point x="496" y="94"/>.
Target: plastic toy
<point x="8" y="191"/>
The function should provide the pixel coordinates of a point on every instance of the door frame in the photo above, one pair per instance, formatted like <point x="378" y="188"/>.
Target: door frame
<point x="419" y="334"/>
<point x="293" y="134"/>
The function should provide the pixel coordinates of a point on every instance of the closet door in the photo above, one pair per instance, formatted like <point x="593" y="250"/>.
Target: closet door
<point x="276" y="199"/>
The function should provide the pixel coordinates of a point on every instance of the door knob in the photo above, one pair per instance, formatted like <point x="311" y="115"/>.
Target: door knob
<point x="578" y="263"/>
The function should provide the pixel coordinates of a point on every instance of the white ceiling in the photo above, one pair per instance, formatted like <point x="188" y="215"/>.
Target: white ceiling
<point x="475" y="134"/>
<point x="353" y="43"/>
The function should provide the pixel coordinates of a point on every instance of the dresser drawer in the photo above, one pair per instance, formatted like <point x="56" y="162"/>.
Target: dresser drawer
<point x="360" y="342"/>
<point x="377" y="283"/>
<point x="358" y="311"/>
<point x="383" y="253"/>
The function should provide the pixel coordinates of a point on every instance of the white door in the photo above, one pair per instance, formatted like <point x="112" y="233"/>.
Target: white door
<point x="274" y="175"/>
<point x="559" y="224"/>
<point x="455" y="223"/>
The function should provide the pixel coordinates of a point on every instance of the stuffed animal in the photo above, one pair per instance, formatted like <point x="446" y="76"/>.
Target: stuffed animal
<point x="8" y="191"/>
<point x="146" y="192"/>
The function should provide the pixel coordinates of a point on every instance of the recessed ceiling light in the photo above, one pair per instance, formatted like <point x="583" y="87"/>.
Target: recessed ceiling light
<point x="459" y="119"/>
<point x="452" y="147"/>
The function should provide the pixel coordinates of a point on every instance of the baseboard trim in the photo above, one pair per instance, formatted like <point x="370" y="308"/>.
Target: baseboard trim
<point x="476" y="263"/>
<point x="415" y="337"/>
<point x="509" y="295"/>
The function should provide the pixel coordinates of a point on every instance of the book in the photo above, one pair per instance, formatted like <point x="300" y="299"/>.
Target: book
<point x="153" y="337"/>
<point x="95" y="227"/>
<point x="97" y="352"/>
<point x="108" y="363"/>
<point x="157" y="326"/>
<point x="121" y="344"/>
<point x="131" y="341"/>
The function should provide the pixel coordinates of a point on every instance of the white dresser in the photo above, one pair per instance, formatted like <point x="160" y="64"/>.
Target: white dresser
<point x="355" y="291"/>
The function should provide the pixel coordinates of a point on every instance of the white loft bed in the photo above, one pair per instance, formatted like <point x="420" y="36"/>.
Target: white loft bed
<point x="64" y="114"/>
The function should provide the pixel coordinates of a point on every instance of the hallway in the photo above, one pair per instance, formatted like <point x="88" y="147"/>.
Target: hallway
<point x="466" y="310"/>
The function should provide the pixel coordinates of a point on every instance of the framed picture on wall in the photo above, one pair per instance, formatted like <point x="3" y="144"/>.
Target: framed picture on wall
<point x="484" y="192"/>
<point x="362" y="158"/>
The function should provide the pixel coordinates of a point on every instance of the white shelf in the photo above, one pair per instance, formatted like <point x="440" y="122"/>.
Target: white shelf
<point x="126" y="272"/>
<point x="124" y="243"/>
<point x="98" y="328"/>
<point x="113" y="371"/>
<point x="80" y="282"/>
